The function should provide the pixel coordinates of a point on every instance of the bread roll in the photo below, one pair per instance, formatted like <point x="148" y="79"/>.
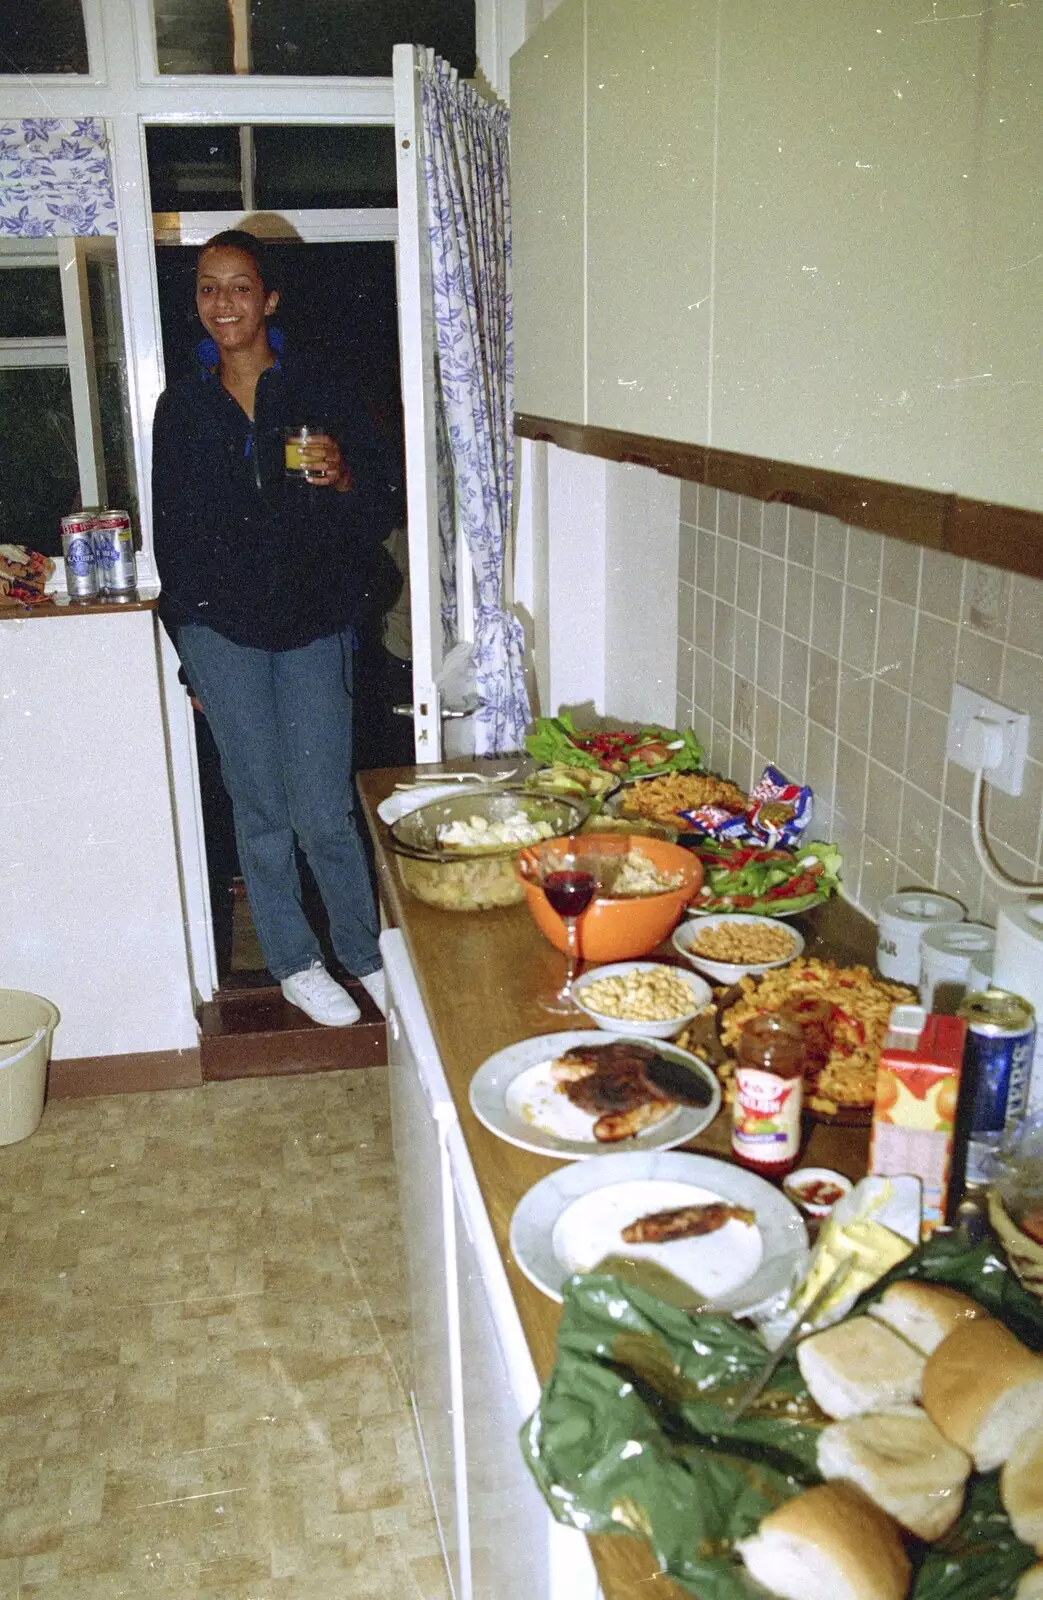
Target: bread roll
<point x="984" y="1390"/>
<point x="924" y="1313"/>
<point x="1030" y="1584"/>
<point x="830" y="1543"/>
<point x="903" y="1464"/>
<point x="1021" y="1490"/>
<point x="859" y="1365"/>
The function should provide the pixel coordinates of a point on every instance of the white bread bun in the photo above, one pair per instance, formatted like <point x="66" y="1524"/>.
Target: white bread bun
<point x="859" y="1365"/>
<point x="984" y="1390"/>
<point x="830" y="1543"/>
<point x="1030" y="1584"/>
<point x="1021" y="1490"/>
<point x="925" y="1313"/>
<point x="903" y="1464"/>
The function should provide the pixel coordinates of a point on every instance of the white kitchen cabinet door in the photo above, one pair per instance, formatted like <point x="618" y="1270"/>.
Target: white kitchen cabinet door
<point x="419" y="1120"/>
<point x="517" y="1550"/>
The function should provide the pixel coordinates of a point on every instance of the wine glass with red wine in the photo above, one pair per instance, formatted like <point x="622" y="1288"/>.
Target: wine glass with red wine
<point x="570" y="880"/>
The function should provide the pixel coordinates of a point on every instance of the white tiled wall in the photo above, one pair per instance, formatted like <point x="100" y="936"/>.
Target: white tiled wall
<point x="833" y="652"/>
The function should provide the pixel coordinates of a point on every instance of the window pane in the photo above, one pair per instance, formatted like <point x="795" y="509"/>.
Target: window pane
<point x="31" y="303"/>
<point x="300" y="168"/>
<point x="193" y="36"/>
<point x="39" y="478"/>
<point x="327" y="38"/>
<point x="110" y="365"/>
<point x="194" y="169"/>
<point x="42" y="36"/>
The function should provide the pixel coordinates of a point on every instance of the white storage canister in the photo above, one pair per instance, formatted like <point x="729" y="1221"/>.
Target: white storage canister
<point x="979" y="975"/>
<point x="904" y="919"/>
<point x="945" y="963"/>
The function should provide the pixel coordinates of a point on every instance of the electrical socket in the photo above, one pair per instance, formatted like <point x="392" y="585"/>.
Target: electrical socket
<point x="968" y="704"/>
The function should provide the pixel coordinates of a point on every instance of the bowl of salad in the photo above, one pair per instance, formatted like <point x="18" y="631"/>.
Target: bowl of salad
<point x="765" y="882"/>
<point x="625" y="752"/>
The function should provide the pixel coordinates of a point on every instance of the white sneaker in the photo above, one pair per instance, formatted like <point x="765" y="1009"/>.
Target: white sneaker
<point x="376" y="987"/>
<point x="320" y="997"/>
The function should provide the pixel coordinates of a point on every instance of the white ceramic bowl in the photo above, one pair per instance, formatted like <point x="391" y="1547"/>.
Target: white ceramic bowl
<point x="669" y="1027"/>
<point x="731" y="971"/>
<point x="796" y="1185"/>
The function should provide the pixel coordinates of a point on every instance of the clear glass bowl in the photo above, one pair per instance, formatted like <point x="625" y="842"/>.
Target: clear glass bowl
<point x="479" y="877"/>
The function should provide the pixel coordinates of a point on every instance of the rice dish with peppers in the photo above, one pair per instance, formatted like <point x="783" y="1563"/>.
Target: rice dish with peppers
<point x="841" y="1075"/>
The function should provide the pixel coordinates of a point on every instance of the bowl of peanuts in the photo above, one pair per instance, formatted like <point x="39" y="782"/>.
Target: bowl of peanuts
<point x="641" y="999"/>
<point x="734" y="945"/>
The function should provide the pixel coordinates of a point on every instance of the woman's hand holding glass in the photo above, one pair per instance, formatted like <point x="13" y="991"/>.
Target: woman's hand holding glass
<point x="316" y="457"/>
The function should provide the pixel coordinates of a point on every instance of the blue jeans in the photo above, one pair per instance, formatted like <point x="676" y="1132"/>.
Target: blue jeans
<point x="282" y="723"/>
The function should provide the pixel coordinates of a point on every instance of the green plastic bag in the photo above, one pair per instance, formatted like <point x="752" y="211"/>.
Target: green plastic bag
<point x="633" y="1432"/>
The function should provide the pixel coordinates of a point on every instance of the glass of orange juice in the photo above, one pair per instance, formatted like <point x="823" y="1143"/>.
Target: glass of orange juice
<point x="295" y="440"/>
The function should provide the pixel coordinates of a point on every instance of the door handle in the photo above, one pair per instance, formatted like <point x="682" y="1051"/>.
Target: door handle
<point x="447" y="716"/>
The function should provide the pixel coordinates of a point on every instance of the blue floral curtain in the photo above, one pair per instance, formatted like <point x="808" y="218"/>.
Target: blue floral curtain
<point x="465" y="158"/>
<point x="55" y="178"/>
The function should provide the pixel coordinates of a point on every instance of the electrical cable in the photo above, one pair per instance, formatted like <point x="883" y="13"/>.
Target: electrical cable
<point x="982" y="849"/>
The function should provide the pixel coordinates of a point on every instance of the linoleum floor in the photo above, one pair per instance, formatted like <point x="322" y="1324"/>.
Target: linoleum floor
<point x="203" y="1348"/>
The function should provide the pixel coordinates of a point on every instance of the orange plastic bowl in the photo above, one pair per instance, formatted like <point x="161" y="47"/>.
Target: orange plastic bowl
<point x="614" y="930"/>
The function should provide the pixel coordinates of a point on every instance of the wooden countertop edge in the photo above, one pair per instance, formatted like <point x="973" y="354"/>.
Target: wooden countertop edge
<point x="625" y="1564"/>
<point x="48" y="610"/>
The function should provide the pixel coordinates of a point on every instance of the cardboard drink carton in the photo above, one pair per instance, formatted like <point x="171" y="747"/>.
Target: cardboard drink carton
<point x="914" y="1117"/>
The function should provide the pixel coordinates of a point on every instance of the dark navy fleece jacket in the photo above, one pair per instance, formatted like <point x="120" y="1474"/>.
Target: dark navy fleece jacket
<point x="263" y="560"/>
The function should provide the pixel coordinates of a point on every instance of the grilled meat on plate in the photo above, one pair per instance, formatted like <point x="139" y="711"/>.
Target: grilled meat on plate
<point x="685" y="1222"/>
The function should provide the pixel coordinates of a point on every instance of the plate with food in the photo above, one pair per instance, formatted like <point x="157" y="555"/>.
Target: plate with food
<point x="582" y="1092"/>
<point x="728" y="1237"/>
<point x="844" y="1012"/>
<point x="622" y="751"/>
<point x="769" y="883"/>
<point x="661" y="799"/>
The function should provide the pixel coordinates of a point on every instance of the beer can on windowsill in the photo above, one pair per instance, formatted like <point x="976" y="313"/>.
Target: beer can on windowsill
<point x="1001" y="1033"/>
<point x="81" y="567"/>
<point x="114" y="552"/>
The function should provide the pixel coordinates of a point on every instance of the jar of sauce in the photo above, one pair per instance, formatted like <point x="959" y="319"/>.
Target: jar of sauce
<point x="769" y="1085"/>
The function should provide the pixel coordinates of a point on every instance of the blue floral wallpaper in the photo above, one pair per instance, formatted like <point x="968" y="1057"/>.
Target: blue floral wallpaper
<point x="55" y="178"/>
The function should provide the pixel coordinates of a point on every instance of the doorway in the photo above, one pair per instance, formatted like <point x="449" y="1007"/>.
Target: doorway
<point x="338" y="301"/>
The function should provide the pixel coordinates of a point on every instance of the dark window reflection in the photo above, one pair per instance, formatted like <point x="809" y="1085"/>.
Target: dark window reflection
<point x="31" y="303"/>
<point x="328" y="38"/>
<point x="40" y="36"/>
<point x="194" y="169"/>
<point x="39" y="475"/>
<point x="326" y="168"/>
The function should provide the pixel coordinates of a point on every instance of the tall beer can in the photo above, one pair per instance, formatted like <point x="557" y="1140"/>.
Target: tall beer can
<point x="114" y="553"/>
<point x="81" y="568"/>
<point x="1001" y="1033"/>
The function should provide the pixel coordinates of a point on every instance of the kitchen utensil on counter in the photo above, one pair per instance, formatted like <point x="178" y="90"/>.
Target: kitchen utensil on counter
<point x="1018" y="966"/>
<point x="480" y="877"/>
<point x="904" y="919"/>
<point x="617" y="929"/>
<point x="748" y="1395"/>
<point x="571" y="1221"/>
<point x="700" y="995"/>
<point x="515" y="1097"/>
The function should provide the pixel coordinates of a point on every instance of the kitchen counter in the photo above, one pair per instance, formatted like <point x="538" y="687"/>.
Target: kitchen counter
<point x="481" y="977"/>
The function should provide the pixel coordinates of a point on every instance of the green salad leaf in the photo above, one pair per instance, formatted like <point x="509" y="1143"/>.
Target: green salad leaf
<point x="553" y="739"/>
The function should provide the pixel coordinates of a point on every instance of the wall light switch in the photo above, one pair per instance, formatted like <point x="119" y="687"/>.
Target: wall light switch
<point x="969" y="739"/>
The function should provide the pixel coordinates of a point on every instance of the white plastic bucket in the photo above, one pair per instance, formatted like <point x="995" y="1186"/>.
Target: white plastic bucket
<point x="27" y="1022"/>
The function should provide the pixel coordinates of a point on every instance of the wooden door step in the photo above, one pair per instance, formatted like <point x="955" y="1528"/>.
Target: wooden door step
<point x="252" y="1032"/>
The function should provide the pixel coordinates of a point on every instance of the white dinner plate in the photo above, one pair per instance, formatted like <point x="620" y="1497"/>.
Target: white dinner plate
<point x="404" y="800"/>
<point x="514" y="1095"/>
<point x="572" y="1220"/>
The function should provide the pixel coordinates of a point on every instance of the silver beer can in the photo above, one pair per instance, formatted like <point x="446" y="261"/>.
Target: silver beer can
<point x="81" y="567"/>
<point x="114" y="553"/>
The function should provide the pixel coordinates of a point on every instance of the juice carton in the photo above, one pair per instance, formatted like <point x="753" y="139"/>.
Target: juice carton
<point x="914" y="1118"/>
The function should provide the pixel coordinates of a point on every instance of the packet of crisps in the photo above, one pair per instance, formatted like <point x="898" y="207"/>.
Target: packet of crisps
<point x="777" y="812"/>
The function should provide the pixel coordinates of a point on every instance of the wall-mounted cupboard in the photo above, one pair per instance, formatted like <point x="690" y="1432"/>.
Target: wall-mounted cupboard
<point x="807" y="237"/>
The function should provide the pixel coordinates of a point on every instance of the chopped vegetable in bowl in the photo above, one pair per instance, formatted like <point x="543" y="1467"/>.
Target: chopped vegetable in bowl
<point x="771" y="883"/>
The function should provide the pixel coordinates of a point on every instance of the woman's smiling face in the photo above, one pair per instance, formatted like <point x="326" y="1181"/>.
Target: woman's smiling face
<point x="231" y="299"/>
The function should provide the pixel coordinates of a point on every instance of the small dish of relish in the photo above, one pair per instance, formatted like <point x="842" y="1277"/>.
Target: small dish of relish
<point x="817" y="1190"/>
